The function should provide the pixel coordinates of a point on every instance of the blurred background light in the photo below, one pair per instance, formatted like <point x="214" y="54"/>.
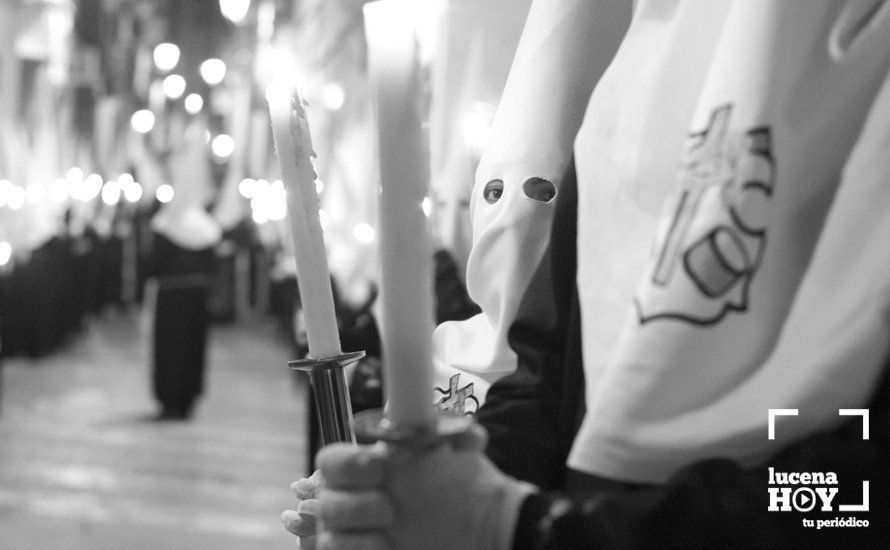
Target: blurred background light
<point x="194" y="103"/>
<point x="5" y="252"/>
<point x="15" y="197"/>
<point x="223" y="146"/>
<point x="174" y="86"/>
<point x="74" y="174"/>
<point x="125" y="179"/>
<point x="213" y="71"/>
<point x="91" y="187"/>
<point x="166" y="56"/>
<point x="476" y="130"/>
<point x="165" y="193"/>
<point x="364" y="233"/>
<point x="5" y="191"/>
<point x="111" y="193"/>
<point x="58" y="191"/>
<point x="133" y="192"/>
<point x="35" y="193"/>
<point x="333" y="96"/>
<point x="142" y="121"/>
<point x="247" y="188"/>
<point x="234" y="10"/>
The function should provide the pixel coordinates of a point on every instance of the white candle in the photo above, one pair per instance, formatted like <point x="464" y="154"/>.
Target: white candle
<point x="406" y="282"/>
<point x="289" y="124"/>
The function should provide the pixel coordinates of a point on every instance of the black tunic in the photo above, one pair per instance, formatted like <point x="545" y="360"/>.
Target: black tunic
<point x="181" y="322"/>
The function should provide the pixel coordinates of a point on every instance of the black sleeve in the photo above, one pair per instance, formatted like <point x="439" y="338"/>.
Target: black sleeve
<point x="531" y="415"/>
<point x="717" y="504"/>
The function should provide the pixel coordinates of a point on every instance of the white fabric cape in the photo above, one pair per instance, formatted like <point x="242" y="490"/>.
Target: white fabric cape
<point x="723" y="270"/>
<point x="184" y="220"/>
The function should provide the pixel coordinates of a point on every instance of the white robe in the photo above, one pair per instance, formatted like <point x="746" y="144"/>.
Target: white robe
<point x="719" y="273"/>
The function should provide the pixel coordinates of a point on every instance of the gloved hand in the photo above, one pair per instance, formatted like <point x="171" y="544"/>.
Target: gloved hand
<point x="303" y="521"/>
<point x="394" y="496"/>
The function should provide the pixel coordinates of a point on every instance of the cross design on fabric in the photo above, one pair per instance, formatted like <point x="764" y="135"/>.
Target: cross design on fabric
<point x="713" y="243"/>
<point x="704" y="167"/>
<point x="456" y="399"/>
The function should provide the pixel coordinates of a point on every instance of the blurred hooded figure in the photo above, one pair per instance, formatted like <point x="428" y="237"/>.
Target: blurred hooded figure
<point x="182" y="258"/>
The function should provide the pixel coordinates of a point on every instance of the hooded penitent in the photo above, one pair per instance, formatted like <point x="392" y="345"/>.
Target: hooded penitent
<point x="184" y="220"/>
<point x="518" y="176"/>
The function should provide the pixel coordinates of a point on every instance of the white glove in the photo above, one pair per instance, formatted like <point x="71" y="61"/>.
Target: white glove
<point x="391" y="496"/>
<point x="303" y="521"/>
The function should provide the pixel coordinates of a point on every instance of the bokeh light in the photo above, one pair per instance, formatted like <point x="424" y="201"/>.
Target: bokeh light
<point x="165" y="193"/>
<point x="213" y="71"/>
<point x="364" y="233"/>
<point x="333" y="96"/>
<point x="5" y="252"/>
<point x="174" y="86"/>
<point x="222" y="146"/>
<point x="142" y="121"/>
<point x="166" y="56"/>
<point x="194" y="103"/>
<point x="234" y="10"/>
<point x="111" y="193"/>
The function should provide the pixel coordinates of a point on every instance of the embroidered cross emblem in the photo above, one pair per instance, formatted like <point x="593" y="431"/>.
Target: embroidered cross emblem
<point x="455" y="399"/>
<point x="705" y="167"/>
<point x="712" y="246"/>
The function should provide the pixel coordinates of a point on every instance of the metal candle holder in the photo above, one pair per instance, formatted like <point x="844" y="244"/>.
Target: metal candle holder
<point x="331" y="392"/>
<point x="373" y="425"/>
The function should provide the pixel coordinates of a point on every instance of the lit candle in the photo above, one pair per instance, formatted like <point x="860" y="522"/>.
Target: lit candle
<point x="290" y="130"/>
<point x="406" y="281"/>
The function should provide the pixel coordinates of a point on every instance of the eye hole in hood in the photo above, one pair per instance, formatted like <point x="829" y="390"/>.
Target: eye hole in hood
<point x="539" y="189"/>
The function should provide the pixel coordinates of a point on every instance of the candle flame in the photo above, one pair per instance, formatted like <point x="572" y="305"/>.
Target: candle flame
<point x="276" y="92"/>
<point x="298" y="122"/>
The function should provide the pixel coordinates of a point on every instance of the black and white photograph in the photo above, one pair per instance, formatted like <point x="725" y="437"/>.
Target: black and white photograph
<point x="444" y="274"/>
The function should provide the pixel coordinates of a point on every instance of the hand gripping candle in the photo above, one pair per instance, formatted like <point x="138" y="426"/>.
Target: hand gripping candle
<point x="293" y="144"/>
<point x="406" y="279"/>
